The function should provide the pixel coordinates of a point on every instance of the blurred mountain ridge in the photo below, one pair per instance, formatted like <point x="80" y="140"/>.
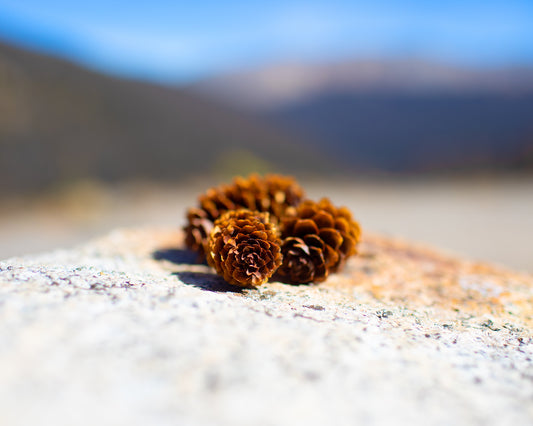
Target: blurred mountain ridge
<point x="61" y="123"/>
<point x="275" y="86"/>
<point x="394" y="115"/>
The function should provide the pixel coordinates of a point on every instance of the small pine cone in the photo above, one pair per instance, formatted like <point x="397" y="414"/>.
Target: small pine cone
<point x="317" y="239"/>
<point x="282" y="192"/>
<point x="273" y="194"/>
<point x="244" y="247"/>
<point x="198" y="229"/>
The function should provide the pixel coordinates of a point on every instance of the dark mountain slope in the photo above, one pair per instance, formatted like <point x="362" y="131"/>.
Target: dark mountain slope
<point x="60" y="122"/>
<point x="410" y="132"/>
<point x="406" y="116"/>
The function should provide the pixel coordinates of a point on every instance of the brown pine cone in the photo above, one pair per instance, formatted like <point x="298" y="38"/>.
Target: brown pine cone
<point x="198" y="229"/>
<point x="317" y="239"/>
<point x="273" y="194"/>
<point x="244" y="247"/>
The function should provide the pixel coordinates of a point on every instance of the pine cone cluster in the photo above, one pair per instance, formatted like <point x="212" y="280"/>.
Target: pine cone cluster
<point x="256" y="227"/>
<point x="272" y="194"/>
<point x="244" y="247"/>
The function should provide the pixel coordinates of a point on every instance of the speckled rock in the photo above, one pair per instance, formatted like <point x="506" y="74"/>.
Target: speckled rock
<point x="128" y="330"/>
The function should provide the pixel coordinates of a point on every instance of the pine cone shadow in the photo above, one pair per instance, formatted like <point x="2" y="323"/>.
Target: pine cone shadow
<point x="178" y="256"/>
<point x="284" y="280"/>
<point x="206" y="281"/>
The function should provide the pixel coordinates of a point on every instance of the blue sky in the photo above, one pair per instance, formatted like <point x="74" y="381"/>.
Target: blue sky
<point x="185" y="40"/>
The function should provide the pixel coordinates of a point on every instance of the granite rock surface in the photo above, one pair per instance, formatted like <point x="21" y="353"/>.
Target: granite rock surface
<point x="127" y="329"/>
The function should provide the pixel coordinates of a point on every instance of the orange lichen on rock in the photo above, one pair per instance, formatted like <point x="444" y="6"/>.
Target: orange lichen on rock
<point x="415" y="276"/>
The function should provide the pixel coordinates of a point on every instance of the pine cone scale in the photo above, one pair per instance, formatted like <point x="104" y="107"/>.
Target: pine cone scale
<point x="305" y="227"/>
<point x="314" y="241"/>
<point x="342" y="225"/>
<point x="331" y="237"/>
<point x="349" y="246"/>
<point x="331" y="257"/>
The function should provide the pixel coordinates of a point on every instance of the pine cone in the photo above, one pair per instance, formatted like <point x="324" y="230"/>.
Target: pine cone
<point x="317" y="239"/>
<point x="198" y="229"/>
<point x="244" y="247"/>
<point x="273" y="194"/>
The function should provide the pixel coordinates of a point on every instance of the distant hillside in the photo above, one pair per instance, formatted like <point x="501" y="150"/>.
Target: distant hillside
<point x="277" y="86"/>
<point x="400" y="116"/>
<point x="60" y="122"/>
